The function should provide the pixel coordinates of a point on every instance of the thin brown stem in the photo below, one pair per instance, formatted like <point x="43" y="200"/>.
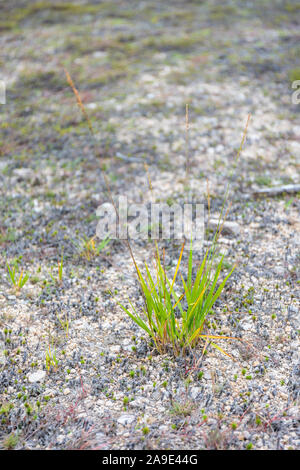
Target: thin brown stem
<point x="79" y="101"/>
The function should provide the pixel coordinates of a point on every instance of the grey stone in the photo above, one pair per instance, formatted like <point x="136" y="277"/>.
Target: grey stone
<point x="37" y="376"/>
<point x="229" y="228"/>
<point x="126" y="419"/>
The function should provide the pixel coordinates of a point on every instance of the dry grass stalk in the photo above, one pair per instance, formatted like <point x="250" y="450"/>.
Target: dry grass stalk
<point x="79" y="101"/>
<point x="187" y="128"/>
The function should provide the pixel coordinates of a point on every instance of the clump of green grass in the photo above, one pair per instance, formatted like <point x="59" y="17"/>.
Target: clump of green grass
<point x="166" y="320"/>
<point x="263" y="180"/>
<point x="64" y="323"/>
<point x="9" y="442"/>
<point x="182" y="409"/>
<point x="59" y="278"/>
<point x="51" y="359"/>
<point x="88" y="249"/>
<point x="17" y="280"/>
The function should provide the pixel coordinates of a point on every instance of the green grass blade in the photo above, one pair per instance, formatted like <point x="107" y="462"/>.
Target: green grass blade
<point x="12" y="273"/>
<point x="190" y="266"/>
<point x="219" y="290"/>
<point x="102" y="245"/>
<point x="137" y="320"/>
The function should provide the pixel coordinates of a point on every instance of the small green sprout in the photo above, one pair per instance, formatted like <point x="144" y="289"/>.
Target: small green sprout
<point x="10" y="441"/>
<point x="257" y="420"/>
<point x="51" y="359"/>
<point x="17" y="281"/>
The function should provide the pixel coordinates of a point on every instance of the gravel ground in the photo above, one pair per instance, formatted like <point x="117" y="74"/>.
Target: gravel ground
<point x="136" y="65"/>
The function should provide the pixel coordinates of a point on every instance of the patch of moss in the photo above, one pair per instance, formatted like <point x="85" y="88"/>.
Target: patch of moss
<point x="179" y="43"/>
<point x="294" y="74"/>
<point x="124" y="44"/>
<point x="106" y="76"/>
<point x="7" y="25"/>
<point x="292" y="7"/>
<point x="41" y="80"/>
<point x="52" y="13"/>
<point x="172" y="17"/>
<point x="223" y="12"/>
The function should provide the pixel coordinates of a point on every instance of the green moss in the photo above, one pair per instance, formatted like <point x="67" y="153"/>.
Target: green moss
<point x="125" y="401"/>
<point x="121" y="43"/>
<point x="105" y="78"/>
<point x="223" y="12"/>
<point x="42" y="80"/>
<point x="172" y="17"/>
<point x="7" y="25"/>
<point x="52" y="13"/>
<point x="180" y="43"/>
<point x="294" y="74"/>
<point x="292" y="7"/>
<point x="115" y="21"/>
